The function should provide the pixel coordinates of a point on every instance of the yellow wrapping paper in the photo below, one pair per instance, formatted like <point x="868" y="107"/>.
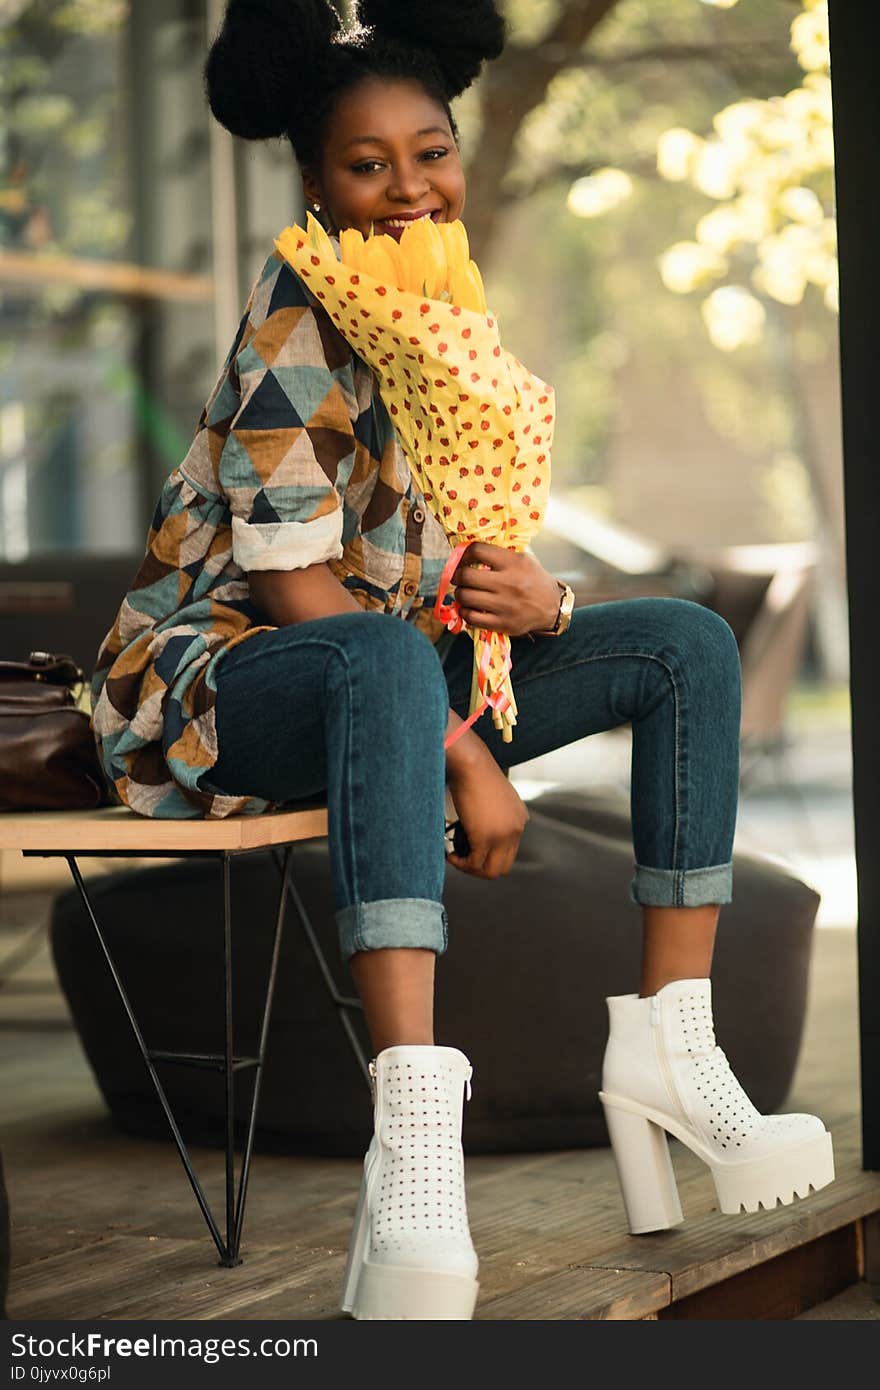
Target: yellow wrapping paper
<point x="475" y="424"/>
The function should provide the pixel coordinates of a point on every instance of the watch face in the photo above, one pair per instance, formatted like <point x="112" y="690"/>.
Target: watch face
<point x="566" y="605"/>
<point x="566" y="608"/>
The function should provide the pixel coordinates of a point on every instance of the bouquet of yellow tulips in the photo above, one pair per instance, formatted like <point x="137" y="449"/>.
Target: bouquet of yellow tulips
<point x="431" y="259"/>
<point x="476" y="426"/>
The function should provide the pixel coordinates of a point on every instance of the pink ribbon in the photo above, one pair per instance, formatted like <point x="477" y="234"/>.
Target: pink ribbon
<point x="450" y="615"/>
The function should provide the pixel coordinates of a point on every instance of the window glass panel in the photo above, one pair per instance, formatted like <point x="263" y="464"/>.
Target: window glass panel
<point x="104" y="167"/>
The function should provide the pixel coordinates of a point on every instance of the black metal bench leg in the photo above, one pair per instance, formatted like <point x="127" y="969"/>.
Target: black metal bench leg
<point x="232" y="1256"/>
<point x="264" y="1037"/>
<point x="148" y="1062"/>
<point x="227" y="1249"/>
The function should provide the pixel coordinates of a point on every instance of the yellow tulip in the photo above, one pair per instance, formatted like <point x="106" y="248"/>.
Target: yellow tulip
<point x="477" y="280"/>
<point x="426" y="253"/>
<point x="286" y="243"/>
<point x="380" y="260"/>
<point x="455" y="240"/>
<point x="318" y="238"/>
<point x="412" y="251"/>
<point x="466" y="287"/>
<point x="408" y="260"/>
<point x="351" y="246"/>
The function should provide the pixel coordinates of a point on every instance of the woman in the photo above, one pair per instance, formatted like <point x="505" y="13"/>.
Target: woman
<point x="279" y="642"/>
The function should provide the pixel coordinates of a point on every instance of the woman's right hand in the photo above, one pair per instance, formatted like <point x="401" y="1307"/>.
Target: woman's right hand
<point x="492" y="815"/>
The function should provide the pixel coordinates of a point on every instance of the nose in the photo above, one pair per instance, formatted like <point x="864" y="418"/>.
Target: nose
<point x="409" y="182"/>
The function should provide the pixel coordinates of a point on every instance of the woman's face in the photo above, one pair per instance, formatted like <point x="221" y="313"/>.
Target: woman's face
<point x="389" y="158"/>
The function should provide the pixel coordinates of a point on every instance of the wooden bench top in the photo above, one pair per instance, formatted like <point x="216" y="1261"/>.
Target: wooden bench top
<point x="118" y="828"/>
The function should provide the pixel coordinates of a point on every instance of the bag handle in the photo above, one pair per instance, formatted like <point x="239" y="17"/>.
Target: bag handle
<point x="52" y="667"/>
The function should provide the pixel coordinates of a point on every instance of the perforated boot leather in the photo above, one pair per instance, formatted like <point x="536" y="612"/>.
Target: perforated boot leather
<point x="663" y="1073"/>
<point x="411" y="1254"/>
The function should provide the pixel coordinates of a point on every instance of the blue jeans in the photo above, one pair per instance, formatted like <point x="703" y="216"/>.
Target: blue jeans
<point x="354" y="707"/>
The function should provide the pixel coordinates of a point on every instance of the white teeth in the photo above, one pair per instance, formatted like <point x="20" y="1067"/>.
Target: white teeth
<point x="405" y="221"/>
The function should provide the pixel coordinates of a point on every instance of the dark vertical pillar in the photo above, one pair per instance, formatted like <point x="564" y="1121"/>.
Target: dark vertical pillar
<point x="4" y="1244"/>
<point x="856" y="98"/>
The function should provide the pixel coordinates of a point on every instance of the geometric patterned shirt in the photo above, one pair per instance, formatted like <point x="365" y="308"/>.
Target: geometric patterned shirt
<point x="295" y="461"/>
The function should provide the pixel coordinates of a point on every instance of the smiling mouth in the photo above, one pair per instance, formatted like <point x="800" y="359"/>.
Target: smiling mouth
<point x="395" y="226"/>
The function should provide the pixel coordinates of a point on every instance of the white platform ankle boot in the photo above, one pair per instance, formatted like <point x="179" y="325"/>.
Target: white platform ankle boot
<point x="663" y="1073"/>
<point x="411" y="1254"/>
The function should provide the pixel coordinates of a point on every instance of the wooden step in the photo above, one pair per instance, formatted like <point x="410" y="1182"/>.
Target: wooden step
<point x="783" y="1287"/>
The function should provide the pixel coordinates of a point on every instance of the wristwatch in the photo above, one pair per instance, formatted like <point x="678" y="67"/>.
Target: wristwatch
<point x="563" y="617"/>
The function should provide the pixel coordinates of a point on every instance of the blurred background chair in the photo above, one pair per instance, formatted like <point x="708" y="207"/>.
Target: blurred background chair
<point x="764" y="592"/>
<point x="64" y="602"/>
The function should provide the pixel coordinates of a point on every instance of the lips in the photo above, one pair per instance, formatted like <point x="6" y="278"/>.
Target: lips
<point x="396" y="225"/>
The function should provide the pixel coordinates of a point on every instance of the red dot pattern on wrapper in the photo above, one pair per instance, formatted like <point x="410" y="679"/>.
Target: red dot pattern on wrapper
<point x="416" y="414"/>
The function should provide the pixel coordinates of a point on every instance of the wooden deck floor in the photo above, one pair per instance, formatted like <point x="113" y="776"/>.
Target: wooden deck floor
<point x="105" y="1226"/>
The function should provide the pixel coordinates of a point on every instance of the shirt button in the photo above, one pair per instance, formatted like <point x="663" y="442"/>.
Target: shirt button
<point x="409" y="588"/>
<point x="418" y="516"/>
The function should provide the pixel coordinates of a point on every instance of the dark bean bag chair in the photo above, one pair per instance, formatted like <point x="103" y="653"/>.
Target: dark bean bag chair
<point x="521" y="989"/>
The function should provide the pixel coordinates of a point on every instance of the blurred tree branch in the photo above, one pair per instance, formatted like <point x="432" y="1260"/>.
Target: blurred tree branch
<point x="642" y="167"/>
<point x="511" y="88"/>
<point x="679" y="53"/>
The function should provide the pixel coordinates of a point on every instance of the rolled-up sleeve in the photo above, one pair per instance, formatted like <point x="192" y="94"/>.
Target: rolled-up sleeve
<point x="291" y="431"/>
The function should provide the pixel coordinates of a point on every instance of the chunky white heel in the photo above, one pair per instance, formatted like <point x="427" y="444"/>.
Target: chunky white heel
<point x="650" y="1193"/>
<point x="411" y="1255"/>
<point x="663" y="1073"/>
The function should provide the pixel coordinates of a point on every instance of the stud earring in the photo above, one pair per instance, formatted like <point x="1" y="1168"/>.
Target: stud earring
<point x="317" y="207"/>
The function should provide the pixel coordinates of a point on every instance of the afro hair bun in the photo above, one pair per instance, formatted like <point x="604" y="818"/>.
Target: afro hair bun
<point x="459" y="34"/>
<point x="267" y="62"/>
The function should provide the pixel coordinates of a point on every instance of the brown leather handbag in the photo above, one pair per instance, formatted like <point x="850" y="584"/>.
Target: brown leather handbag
<point x="48" y="759"/>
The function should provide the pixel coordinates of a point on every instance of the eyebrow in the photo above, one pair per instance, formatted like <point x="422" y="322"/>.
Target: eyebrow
<point x="377" y="139"/>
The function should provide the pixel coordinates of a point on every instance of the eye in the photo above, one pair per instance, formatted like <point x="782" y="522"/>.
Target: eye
<point x="434" y="154"/>
<point x="369" y="166"/>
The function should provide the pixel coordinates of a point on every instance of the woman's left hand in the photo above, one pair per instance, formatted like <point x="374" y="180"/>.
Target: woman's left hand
<point x="513" y="594"/>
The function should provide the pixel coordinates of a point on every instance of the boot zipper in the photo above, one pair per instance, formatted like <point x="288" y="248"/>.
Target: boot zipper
<point x="377" y="1096"/>
<point x="660" y="1049"/>
<point x="371" y="1168"/>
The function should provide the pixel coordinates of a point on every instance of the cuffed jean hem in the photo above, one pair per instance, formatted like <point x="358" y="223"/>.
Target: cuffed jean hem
<point x="392" y="922"/>
<point x="682" y="887"/>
